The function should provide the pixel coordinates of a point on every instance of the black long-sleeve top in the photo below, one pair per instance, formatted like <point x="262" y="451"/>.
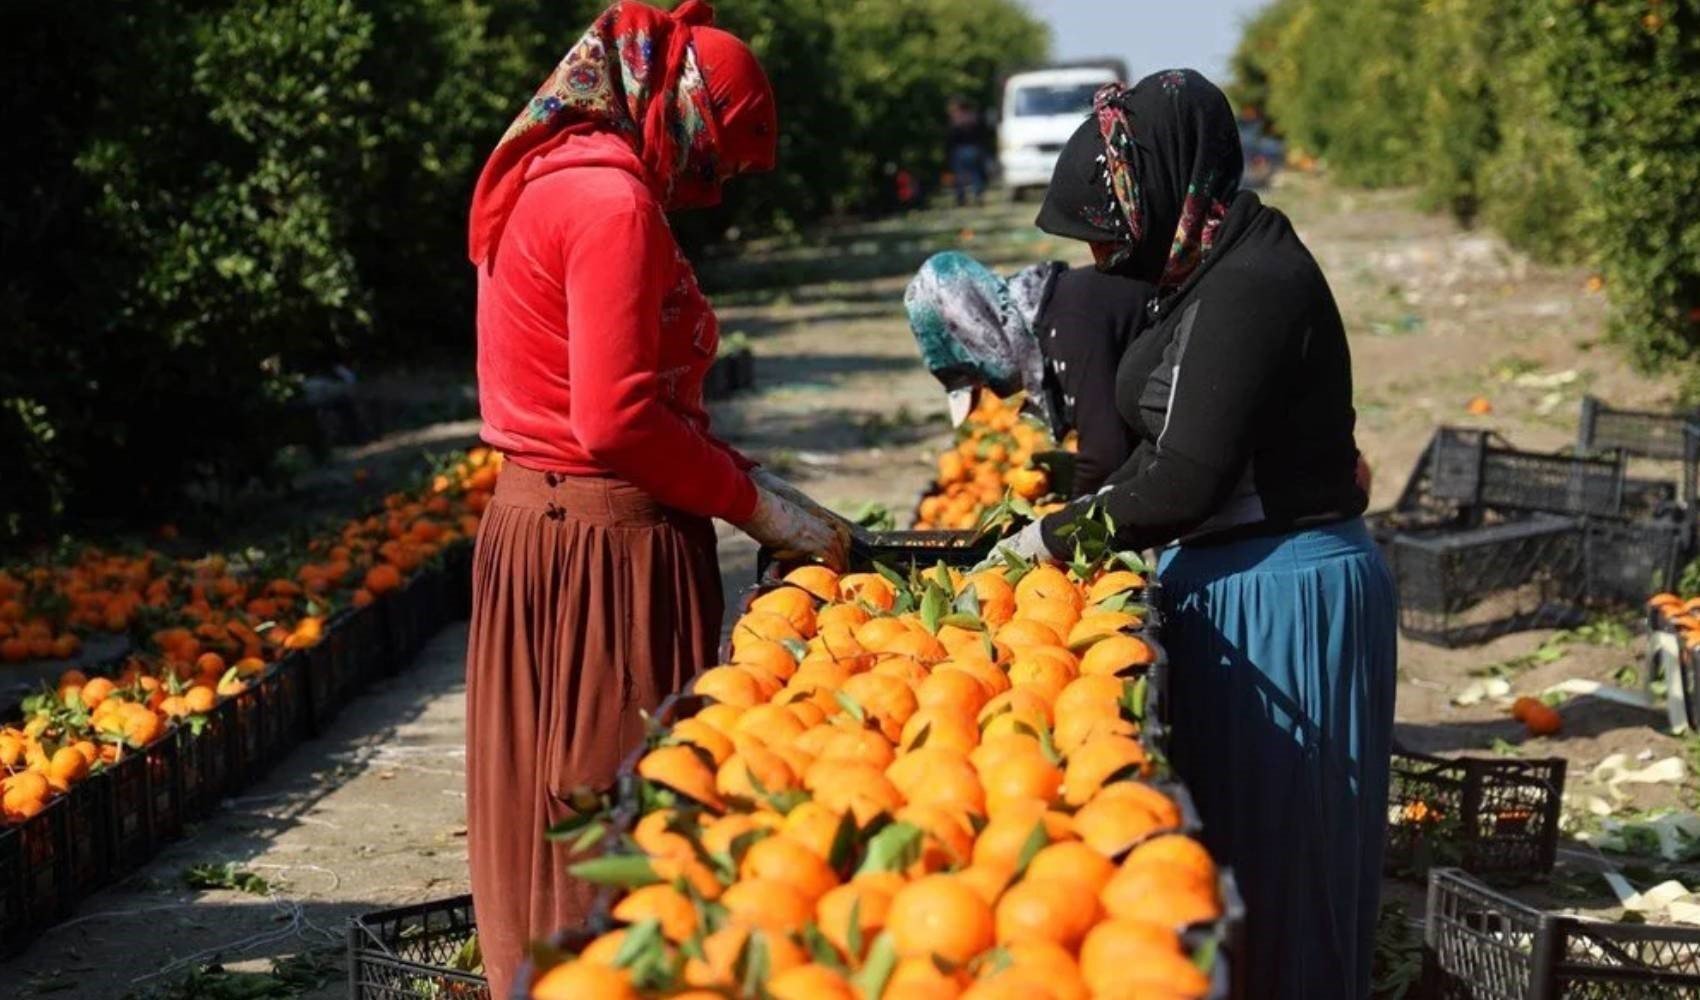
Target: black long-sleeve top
<point x="1239" y="398"/>
<point x="1085" y="324"/>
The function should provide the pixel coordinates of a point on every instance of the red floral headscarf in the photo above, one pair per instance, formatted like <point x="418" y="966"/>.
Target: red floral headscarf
<point x="691" y="100"/>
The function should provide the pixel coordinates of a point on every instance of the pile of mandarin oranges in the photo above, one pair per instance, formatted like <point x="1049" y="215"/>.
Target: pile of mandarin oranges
<point x="905" y="790"/>
<point x="993" y="458"/>
<point x="199" y="630"/>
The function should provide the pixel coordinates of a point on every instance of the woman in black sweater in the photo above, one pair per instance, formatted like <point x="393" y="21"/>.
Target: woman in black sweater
<point x="1281" y="613"/>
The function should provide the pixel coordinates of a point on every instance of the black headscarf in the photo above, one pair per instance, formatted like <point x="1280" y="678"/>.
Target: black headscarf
<point x="1152" y="172"/>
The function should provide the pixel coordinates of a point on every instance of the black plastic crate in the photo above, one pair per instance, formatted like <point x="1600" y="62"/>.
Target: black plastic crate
<point x="433" y="585"/>
<point x="1418" y="509"/>
<point x="402" y="625"/>
<point x="1476" y="468"/>
<point x="1452" y="462"/>
<point x="208" y="758"/>
<point x="1671" y="437"/>
<point x="87" y="836"/>
<point x="362" y="647"/>
<point x="165" y="788"/>
<point x="1627" y="561"/>
<point x="902" y="549"/>
<point x="144" y="802"/>
<point x="16" y="922"/>
<point x="285" y="713"/>
<point x="408" y="953"/>
<point x="327" y="670"/>
<point x="1490" y="816"/>
<point x="1386" y="525"/>
<point x="391" y="659"/>
<point x="924" y="549"/>
<point x="129" y="818"/>
<point x="249" y="709"/>
<point x="1644" y="433"/>
<point x="1457" y="588"/>
<point x="1649" y="497"/>
<point x="341" y="635"/>
<point x="457" y="575"/>
<point x="35" y="878"/>
<point x="1482" y="945"/>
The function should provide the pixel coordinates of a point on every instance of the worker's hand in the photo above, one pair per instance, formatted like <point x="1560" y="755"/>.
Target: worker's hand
<point x="774" y="484"/>
<point x="1027" y="544"/>
<point x="794" y="529"/>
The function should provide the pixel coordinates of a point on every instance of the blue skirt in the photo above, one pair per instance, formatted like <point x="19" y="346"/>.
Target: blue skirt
<point x="1284" y="653"/>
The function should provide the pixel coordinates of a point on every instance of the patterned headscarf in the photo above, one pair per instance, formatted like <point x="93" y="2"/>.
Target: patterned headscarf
<point x="977" y="329"/>
<point x="689" y="98"/>
<point x="1163" y="153"/>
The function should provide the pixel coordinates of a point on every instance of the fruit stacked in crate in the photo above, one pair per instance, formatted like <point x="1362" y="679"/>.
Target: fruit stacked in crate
<point x="902" y="785"/>
<point x="998" y="452"/>
<point x="1673" y="656"/>
<point x="224" y="662"/>
<point x="216" y="624"/>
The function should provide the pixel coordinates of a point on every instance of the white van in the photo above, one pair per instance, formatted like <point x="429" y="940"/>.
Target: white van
<point x="1041" y="109"/>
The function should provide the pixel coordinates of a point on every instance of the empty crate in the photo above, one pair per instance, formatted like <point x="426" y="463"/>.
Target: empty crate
<point x="423" y="951"/>
<point x="1477" y="468"/>
<point x="1673" y="437"/>
<point x="1481" y="945"/>
<point x="1467" y="586"/>
<point x="1626" y="561"/>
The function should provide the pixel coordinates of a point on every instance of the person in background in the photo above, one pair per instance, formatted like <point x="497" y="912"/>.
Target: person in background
<point x="596" y="585"/>
<point x="1279" y="612"/>
<point x="1051" y="331"/>
<point x="966" y="147"/>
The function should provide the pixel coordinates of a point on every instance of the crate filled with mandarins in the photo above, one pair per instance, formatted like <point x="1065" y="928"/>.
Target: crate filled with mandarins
<point x="905" y="786"/>
<point x="998" y="453"/>
<point x="1040" y="625"/>
<point x="171" y="682"/>
<point x="35" y="875"/>
<point x="1489" y="816"/>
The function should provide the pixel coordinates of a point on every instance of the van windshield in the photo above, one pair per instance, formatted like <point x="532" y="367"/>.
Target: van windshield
<point x="1054" y="99"/>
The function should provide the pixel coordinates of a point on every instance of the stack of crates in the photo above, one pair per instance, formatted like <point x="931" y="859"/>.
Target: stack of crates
<point x="1489" y="539"/>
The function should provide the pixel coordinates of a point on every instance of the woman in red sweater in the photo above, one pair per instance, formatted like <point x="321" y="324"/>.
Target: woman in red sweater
<point x="597" y="590"/>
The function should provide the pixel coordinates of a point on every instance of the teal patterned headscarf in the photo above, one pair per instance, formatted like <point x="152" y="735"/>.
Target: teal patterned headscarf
<point x="975" y="328"/>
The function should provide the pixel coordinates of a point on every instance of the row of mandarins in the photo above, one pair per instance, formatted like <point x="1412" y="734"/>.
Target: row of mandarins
<point x="877" y="800"/>
<point x="202" y="629"/>
<point x="993" y="457"/>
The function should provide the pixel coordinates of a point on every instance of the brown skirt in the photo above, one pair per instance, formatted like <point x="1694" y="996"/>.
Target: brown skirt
<point x="591" y="603"/>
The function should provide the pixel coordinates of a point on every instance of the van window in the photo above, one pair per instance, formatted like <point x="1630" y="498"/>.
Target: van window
<point x="1054" y="99"/>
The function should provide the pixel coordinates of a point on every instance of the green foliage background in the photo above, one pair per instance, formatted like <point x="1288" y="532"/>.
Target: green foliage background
<point x="1571" y="126"/>
<point x="202" y="201"/>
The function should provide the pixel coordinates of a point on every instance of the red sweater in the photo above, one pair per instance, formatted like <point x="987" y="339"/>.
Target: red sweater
<point x="593" y="338"/>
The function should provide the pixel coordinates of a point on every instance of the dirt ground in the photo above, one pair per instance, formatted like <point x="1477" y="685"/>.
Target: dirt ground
<point x="371" y="815"/>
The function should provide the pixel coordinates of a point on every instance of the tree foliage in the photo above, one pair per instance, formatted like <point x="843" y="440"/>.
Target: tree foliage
<point x="1572" y="126"/>
<point x="203" y="201"/>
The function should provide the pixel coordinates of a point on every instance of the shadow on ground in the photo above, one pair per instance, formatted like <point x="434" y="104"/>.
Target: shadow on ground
<point x="1584" y="718"/>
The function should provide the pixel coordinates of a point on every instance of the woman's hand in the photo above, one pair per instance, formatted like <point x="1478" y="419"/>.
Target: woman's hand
<point x="788" y="522"/>
<point x="1028" y="544"/>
